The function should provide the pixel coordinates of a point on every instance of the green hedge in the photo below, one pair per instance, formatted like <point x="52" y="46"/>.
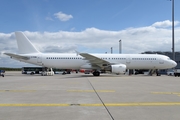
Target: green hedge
<point x="10" y="69"/>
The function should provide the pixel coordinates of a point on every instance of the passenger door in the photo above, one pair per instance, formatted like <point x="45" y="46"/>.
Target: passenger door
<point x="128" y="60"/>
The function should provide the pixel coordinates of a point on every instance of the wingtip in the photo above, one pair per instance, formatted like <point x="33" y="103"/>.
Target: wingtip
<point x="77" y="52"/>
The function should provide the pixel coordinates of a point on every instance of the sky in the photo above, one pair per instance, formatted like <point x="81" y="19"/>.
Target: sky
<point x="92" y="26"/>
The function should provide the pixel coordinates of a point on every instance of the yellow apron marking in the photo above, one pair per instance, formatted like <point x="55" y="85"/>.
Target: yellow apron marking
<point x="175" y="93"/>
<point x="90" y="91"/>
<point x="95" y="105"/>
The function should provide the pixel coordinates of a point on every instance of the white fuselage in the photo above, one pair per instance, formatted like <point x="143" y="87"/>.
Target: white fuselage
<point x="75" y="61"/>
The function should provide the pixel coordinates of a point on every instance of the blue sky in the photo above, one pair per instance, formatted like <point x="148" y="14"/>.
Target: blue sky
<point x="38" y="15"/>
<point x="92" y="26"/>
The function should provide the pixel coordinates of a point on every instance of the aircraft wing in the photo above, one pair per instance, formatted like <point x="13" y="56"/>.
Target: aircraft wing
<point x="16" y="56"/>
<point x="93" y="60"/>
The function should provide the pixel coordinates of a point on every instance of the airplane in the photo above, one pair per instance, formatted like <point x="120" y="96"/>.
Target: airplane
<point x="115" y="63"/>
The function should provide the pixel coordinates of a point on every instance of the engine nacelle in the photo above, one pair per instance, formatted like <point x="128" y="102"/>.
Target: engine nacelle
<point x="118" y="68"/>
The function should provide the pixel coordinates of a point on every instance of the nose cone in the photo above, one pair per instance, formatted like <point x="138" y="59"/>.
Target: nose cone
<point x="174" y="64"/>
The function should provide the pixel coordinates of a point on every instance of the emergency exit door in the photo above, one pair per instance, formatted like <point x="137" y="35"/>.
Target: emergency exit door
<point x="39" y="59"/>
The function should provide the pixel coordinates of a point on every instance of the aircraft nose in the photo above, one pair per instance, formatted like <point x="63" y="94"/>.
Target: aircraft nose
<point x="174" y="64"/>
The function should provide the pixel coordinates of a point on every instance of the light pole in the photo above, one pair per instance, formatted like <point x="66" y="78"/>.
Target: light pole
<point x="173" y="30"/>
<point x="120" y="47"/>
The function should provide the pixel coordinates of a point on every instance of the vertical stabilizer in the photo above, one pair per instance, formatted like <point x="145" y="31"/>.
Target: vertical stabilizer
<point x="24" y="45"/>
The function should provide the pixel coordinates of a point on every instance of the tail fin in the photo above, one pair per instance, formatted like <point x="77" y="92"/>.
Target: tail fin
<point x="24" y="45"/>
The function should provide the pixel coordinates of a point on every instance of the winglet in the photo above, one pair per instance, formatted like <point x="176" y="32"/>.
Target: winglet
<point x="24" y="45"/>
<point x="77" y="53"/>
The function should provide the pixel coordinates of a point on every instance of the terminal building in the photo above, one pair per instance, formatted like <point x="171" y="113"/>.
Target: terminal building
<point x="169" y="54"/>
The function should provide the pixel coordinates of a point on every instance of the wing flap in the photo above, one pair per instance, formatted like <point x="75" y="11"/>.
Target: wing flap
<point x="93" y="60"/>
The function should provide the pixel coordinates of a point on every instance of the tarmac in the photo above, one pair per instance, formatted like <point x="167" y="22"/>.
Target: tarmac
<point x="86" y="97"/>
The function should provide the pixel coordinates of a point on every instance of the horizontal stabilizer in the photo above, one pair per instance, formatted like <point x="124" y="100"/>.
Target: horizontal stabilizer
<point x="16" y="56"/>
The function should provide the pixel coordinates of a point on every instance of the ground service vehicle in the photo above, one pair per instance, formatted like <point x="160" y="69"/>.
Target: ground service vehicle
<point x="2" y="72"/>
<point x="47" y="72"/>
<point x="170" y="72"/>
<point x="177" y="72"/>
<point x="32" y="70"/>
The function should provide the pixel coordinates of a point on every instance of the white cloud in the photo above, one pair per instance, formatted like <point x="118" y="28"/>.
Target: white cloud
<point x="93" y="40"/>
<point x="49" y="18"/>
<point x="166" y="23"/>
<point x="62" y="16"/>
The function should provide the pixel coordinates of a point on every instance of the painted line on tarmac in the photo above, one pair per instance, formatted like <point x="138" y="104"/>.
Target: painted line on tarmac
<point x="90" y="91"/>
<point x="95" y="105"/>
<point x="175" y="93"/>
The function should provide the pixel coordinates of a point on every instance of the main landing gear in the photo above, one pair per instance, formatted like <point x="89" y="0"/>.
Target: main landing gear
<point x="96" y="73"/>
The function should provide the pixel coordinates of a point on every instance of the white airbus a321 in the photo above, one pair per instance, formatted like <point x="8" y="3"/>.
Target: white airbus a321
<point x="115" y="63"/>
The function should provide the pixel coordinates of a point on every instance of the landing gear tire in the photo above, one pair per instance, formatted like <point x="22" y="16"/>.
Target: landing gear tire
<point x="96" y="73"/>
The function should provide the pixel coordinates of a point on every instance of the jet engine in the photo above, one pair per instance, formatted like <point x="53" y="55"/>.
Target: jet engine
<point x="118" y="68"/>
